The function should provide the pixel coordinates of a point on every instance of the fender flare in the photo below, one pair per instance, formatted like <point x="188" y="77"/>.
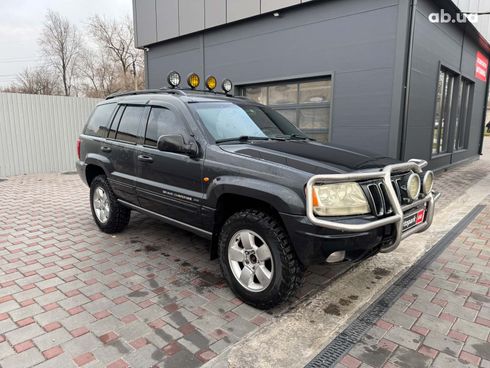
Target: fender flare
<point x="281" y="198"/>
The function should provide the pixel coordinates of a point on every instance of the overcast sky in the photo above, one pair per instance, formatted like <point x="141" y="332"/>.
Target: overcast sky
<point x="21" y="22"/>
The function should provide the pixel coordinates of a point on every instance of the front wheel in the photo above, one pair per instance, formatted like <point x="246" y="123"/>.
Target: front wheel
<point x="109" y="215"/>
<point x="257" y="259"/>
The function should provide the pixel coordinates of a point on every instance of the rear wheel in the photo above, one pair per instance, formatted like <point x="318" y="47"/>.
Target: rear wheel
<point x="257" y="259"/>
<point x="109" y="215"/>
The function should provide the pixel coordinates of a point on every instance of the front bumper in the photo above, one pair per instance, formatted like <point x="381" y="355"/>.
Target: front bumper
<point x="316" y="237"/>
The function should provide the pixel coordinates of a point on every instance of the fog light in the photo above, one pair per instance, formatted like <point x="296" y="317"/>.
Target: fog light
<point x="413" y="186"/>
<point x="336" y="257"/>
<point x="428" y="182"/>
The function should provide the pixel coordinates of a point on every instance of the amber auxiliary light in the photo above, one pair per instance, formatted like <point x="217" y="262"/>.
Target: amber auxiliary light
<point x="193" y="80"/>
<point x="211" y="82"/>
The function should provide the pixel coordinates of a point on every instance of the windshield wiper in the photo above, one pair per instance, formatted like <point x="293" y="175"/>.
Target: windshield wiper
<point x="291" y="136"/>
<point x="242" y="138"/>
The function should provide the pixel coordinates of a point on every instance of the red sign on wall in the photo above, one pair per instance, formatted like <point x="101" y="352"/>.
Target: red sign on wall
<point x="481" y="66"/>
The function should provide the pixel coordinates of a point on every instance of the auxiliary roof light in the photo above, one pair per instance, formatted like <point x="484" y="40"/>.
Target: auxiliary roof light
<point x="173" y="79"/>
<point x="227" y="85"/>
<point x="211" y="82"/>
<point x="193" y="80"/>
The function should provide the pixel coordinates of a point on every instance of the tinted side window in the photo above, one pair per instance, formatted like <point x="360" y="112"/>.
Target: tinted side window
<point x="115" y="122"/>
<point x="129" y="124"/>
<point x="162" y="122"/>
<point x="99" y="121"/>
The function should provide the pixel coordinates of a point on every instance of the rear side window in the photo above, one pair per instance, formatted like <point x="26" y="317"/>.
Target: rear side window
<point x="129" y="124"/>
<point x="162" y="122"/>
<point x="99" y="121"/>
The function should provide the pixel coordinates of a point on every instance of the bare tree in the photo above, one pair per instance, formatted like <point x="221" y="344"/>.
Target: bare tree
<point x="60" y="44"/>
<point x="118" y="38"/>
<point x="99" y="75"/>
<point x="35" y="81"/>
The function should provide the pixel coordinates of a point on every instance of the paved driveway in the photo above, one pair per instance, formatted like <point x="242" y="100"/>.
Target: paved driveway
<point x="73" y="296"/>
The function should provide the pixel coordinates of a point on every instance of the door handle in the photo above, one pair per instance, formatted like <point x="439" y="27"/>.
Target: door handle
<point x="144" y="158"/>
<point x="105" y="149"/>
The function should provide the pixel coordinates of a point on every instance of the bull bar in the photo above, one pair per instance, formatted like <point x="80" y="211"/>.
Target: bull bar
<point x="398" y="210"/>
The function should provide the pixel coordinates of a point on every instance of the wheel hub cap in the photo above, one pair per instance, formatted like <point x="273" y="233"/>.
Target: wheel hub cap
<point x="101" y="205"/>
<point x="250" y="260"/>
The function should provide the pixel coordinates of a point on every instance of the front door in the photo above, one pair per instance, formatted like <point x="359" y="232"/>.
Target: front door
<point x="168" y="183"/>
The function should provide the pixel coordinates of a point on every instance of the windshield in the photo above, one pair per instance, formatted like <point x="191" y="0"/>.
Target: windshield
<point x="228" y="120"/>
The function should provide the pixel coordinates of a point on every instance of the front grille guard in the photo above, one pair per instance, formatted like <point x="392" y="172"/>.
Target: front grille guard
<point x="395" y="218"/>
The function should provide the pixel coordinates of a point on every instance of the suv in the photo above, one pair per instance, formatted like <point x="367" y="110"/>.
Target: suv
<point x="271" y="200"/>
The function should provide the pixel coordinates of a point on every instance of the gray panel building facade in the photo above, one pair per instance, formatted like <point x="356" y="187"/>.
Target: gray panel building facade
<point x="376" y="75"/>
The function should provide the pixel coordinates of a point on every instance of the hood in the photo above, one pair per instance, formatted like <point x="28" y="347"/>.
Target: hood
<point x="312" y="157"/>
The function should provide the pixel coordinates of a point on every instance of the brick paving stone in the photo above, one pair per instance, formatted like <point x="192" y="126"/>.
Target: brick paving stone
<point x="24" y="333"/>
<point x="67" y="263"/>
<point x="5" y="350"/>
<point x="398" y="318"/>
<point x="118" y="364"/>
<point x="403" y="357"/>
<point x="477" y="347"/>
<point x="60" y="361"/>
<point x="446" y="310"/>
<point x="51" y="339"/>
<point x="82" y="344"/>
<point x="471" y="329"/>
<point x="443" y="343"/>
<point x="26" y="359"/>
<point x="84" y="359"/>
<point x="404" y="337"/>
<point x="447" y="361"/>
<point x="52" y="352"/>
<point x="147" y="356"/>
<point x="112" y="351"/>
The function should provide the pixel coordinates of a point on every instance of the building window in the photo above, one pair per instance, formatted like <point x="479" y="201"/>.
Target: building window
<point x="444" y="104"/>
<point x="463" y="117"/>
<point x="304" y="103"/>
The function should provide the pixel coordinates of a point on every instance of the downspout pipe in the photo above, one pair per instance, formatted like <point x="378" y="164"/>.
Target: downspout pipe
<point x="407" y="76"/>
<point x="484" y="119"/>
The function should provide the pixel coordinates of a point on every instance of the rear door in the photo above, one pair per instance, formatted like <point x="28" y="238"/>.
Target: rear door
<point x="123" y="136"/>
<point x="168" y="183"/>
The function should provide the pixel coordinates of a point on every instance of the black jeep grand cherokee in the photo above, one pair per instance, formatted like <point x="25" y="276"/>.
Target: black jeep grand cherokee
<point x="271" y="200"/>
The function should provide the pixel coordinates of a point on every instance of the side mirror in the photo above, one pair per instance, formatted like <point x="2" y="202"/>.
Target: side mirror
<point x="176" y="144"/>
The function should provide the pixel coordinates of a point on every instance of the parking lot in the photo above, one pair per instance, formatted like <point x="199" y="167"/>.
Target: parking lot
<point x="73" y="296"/>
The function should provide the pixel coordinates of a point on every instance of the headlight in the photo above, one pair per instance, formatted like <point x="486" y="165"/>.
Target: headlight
<point x="341" y="199"/>
<point x="428" y="182"/>
<point x="413" y="186"/>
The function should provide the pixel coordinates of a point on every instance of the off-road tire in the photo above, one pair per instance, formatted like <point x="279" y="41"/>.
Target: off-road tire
<point x="118" y="216"/>
<point x="288" y="272"/>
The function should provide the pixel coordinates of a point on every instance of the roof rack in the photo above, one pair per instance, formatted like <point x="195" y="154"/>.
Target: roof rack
<point x="175" y="91"/>
<point x="145" y="92"/>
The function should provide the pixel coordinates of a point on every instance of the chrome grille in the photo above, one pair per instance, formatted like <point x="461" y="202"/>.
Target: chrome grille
<point x="376" y="193"/>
